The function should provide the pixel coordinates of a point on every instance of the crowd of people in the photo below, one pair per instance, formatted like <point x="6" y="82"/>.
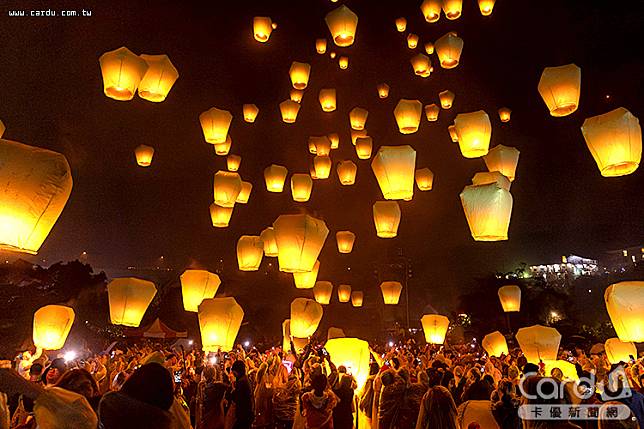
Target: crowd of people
<point x="149" y="385"/>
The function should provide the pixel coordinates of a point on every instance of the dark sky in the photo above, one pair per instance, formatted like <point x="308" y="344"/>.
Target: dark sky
<point x="51" y="96"/>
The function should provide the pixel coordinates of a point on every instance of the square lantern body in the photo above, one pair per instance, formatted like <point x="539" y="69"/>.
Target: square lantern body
<point x="219" y="323"/>
<point x="129" y="299"/>
<point x="539" y="343"/>
<point x="322" y="292"/>
<point x="560" y="87"/>
<point x="299" y="241"/>
<point x="305" y="317"/>
<point x="226" y="188"/>
<point x="503" y="159"/>
<point x="625" y="305"/>
<point x="395" y="168"/>
<point x="158" y="79"/>
<point x="197" y="285"/>
<point x="220" y="216"/>
<point x="474" y="131"/>
<point x="435" y="328"/>
<point x="407" y="114"/>
<point x="488" y="209"/>
<point x="122" y="72"/>
<point x="386" y="217"/>
<point x="307" y="280"/>
<point x="51" y="327"/>
<point x="353" y="354"/>
<point x="250" y="251"/>
<point x="495" y="344"/>
<point x="215" y="124"/>
<point x="342" y="23"/>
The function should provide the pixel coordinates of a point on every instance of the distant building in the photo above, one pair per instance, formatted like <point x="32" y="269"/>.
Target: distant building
<point x="567" y="270"/>
<point x="618" y="261"/>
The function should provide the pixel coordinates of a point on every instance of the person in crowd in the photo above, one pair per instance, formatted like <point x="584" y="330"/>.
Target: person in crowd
<point x="318" y="404"/>
<point x="54" y="371"/>
<point x="286" y="402"/>
<point x="81" y="381"/>
<point x="242" y="397"/>
<point x="437" y="410"/>
<point x="343" y="412"/>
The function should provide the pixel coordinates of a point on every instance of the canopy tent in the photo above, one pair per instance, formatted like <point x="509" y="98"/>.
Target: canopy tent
<point x="156" y="329"/>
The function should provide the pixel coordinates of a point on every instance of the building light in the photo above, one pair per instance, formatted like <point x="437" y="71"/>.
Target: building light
<point x="564" y="259"/>
<point x="625" y="252"/>
<point x="633" y="258"/>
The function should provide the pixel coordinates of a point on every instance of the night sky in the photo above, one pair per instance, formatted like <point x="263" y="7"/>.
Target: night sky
<point x="123" y="215"/>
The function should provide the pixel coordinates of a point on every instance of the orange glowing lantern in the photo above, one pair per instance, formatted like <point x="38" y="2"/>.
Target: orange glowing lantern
<point x="262" y="28"/>
<point x="233" y="162"/>
<point x="431" y="10"/>
<point x="344" y="293"/>
<point x="401" y="24"/>
<point x="358" y="118"/>
<point x="446" y="98"/>
<point x="197" y="285"/>
<point x="504" y="114"/>
<point x="539" y="343"/>
<point x="383" y="90"/>
<point x="356" y="134"/>
<point x="320" y="144"/>
<point x="305" y="317"/>
<point x="250" y="112"/>
<point x="625" y="305"/>
<point x="431" y="112"/>
<point x="301" y="187"/>
<point x="289" y="110"/>
<point x="424" y="179"/>
<point x="51" y="326"/>
<point x="320" y="46"/>
<point x="495" y="344"/>
<point x="510" y="297"/>
<point x="429" y="48"/>
<point x="486" y="7"/>
<point x="345" y="240"/>
<point x="357" y="297"/>
<point x="327" y="99"/>
<point x="412" y="41"/>
<point x="144" y="155"/>
<point x="452" y="8"/>
<point x="332" y="55"/>
<point x="122" y="72"/>
<point x="435" y="328"/>
<point x="222" y="149"/>
<point x="488" y="209"/>
<point x="158" y="79"/>
<point x="215" y="124"/>
<point x="449" y="49"/>
<point x="354" y="355"/>
<point x="342" y="23"/>
<point x="129" y="298"/>
<point x="322" y="165"/>
<point x="220" y="216"/>
<point x="487" y="177"/>
<point x="227" y="186"/>
<point x="559" y="87"/>
<point x="386" y="217"/>
<point x="322" y="292"/>
<point x="503" y="159"/>
<point x="452" y="133"/>
<point x="391" y="292"/>
<point x="300" y="239"/>
<point x="296" y="95"/>
<point x="343" y="62"/>
<point x="219" y="323"/>
<point x="394" y="168"/>
<point x="619" y="351"/>
<point x="308" y="279"/>
<point x="244" y="194"/>
<point x="334" y="138"/>
<point x="250" y="251"/>
<point x="299" y="73"/>
<point x="267" y="236"/>
<point x="408" y="113"/>
<point x="275" y="176"/>
<point x="347" y="172"/>
<point x="421" y="65"/>
<point x="474" y="131"/>
<point x="364" y="146"/>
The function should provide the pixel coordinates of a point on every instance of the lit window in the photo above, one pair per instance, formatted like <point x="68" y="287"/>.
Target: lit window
<point x="625" y="252"/>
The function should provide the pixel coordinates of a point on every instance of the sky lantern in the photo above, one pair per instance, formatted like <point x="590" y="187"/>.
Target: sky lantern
<point x="267" y="236"/>
<point x="305" y="317"/>
<point x="312" y="172"/>
<point x="129" y="299"/>
<point x="307" y="280"/>
<point x="559" y="87"/>
<point x="625" y="305"/>
<point x="383" y="90"/>
<point x="486" y="7"/>
<point x="299" y="73"/>
<point x="250" y="112"/>
<point x="487" y="177"/>
<point x="275" y="176"/>
<point x="503" y="159"/>
<point x="322" y="164"/>
<point x="299" y="241"/>
<point x="345" y="240"/>
<point x="334" y="332"/>
<point x="301" y="187"/>
<point x="244" y="194"/>
<point x="474" y="131"/>
<point x="327" y="99"/>
<point x="615" y="141"/>
<point x="144" y="155"/>
<point x="510" y="297"/>
<point x="357" y="297"/>
<point x="342" y="23"/>
<point x="262" y="28"/>
<point x="435" y="328"/>
<point x="539" y="343"/>
<point x="568" y="369"/>
<point x="322" y="292"/>
<point x="356" y="134"/>
<point x="449" y="49"/>
<point x="332" y="54"/>
<point x="347" y="171"/>
<point x="401" y="24"/>
<point x="2" y="128"/>
<point x="488" y="209"/>
<point x="344" y="293"/>
<point x="431" y="112"/>
<point x="52" y="324"/>
<point x="354" y="355"/>
<point x="364" y="146"/>
<point x="343" y="62"/>
<point x="220" y="216"/>
<point x="219" y="323"/>
<point x="334" y="138"/>
<point x="391" y="292"/>
<point x="412" y="40"/>
<point x="227" y="186"/>
<point x="394" y="168"/>
<point x="452" y="8"/>
<point x="504" y="114"/>
<point x="431" y="10"/>
<point x="233" y="162"/>
<point x="358" y="118"/>
<point x="320" y="46"/>
<point x="158" y="79"/>
<point x="429" y="48"/>
<point x="215" y="124"/>
<point x="421" y="65"/>
<point x="386" y="217"/>
<point x="36" y="184"/>
<point x="250" y="251"/>
<point x="296" y="95"/>
<point x="197" y="285"/>
<point x="452" y="133"/>
<point x="222" y="149"/>
<point x="289" y="110"/>
<point x="122" y="72"/>
<point x="424" y="179"/>
<point x="298" y="343"/>
<point x="446" y="98"/>
<point x="619" y="351"/>
<point x="407" y="114"/>
<point x="312" y="148"/>
<point x="495" y="344"/>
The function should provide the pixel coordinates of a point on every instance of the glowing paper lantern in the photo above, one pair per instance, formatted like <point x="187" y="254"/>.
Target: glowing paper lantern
<point x="233" y="162"/>
<point x="307" y="280"/>
<point x="407" y="113"/>
<point x="504" y="114"/>
<point x="429" y="48"/>
<point x="391" y="292"/>
<point x="267" y="236"/>
<point x="449" y="49"/>
<point x="625" y="305"/>
<point x="510" y="297"/>
<point x="262" y="28"/>
<point x="539" y="343"/>
<point x="320" y="46"/>
<point x="227" y="186"/>
<point x="568" y="369"/>
<point x="495" y="344"/>
<point x="431" y="10"/>
<point x="158" y="79"/>
<point x="488" y="209"/>
<point x="222" y="149"/>
<point x="312" y="172"/>
<point x="619" y="351"/>
<point x="197" y="285"/>
<point x="615" y="141"/>
<point x="299" y="241"/>
<point x="421" y="65"/>
<point x="334" y="138"/>
<point x="322" y="166"/>
<point x="364" y="145"/>
<point x="327" y="99"/>
<point x="274" y="176"/>
<point x="344" y="293"/>
<point x="357" y="298"/>
<point x="289" y="110"/>
<point x="347" y="172"/>
<point x="52" y="324"/>
<point x="424" y="179"/>
<point x="354" y="355"/>
<point x="435" y="328"/>
<point x="219" y="323"/>
<point x="250" y="251"/>
<point x="144" y="155"/>
<point x="299" y="73"/>
<point x="122" y="72"/>
<point x="386" y="217"/>
<point x="220" y="216"/>
<point x="2" y="128"/>
<point x="343" y="62"/>
<point x="452" y="8"/>
<point x="412" y="41"/>
<point x="559" y="87"/>
<point x="431" y="112"/>
<point x="401" y="24"/>
<point x="358" y="118"/>
<point x="250" y="112"/>
<point x="215" y="124"/>
<point x="345" y="240"/>
<point x="244" y="194"/>
<point x="446" y="98"/>
<point x="342" y="23"/>
<point x="486" y="7"/>
<point x="452" y="133"/>
<point x="474" y="131"/>
<point x="487" y="177"/>
<point x="129" y="298"/>
<point x="298" y="343"/>
<point x="296" y="95"/>
<point x="322" y="292"/>
<point x="301" y="187"/>
<point x="36" y="184"/>
<point x="383" y="90"/>
<point x="394" y="168"/>
<point x="332" y="55"/>
<point x="356" y="134"/>
<point x="503" y="159"/>
<point x="305" y="317"/>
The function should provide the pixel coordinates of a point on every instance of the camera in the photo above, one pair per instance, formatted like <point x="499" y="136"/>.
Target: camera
<point x="177" y="376"/>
